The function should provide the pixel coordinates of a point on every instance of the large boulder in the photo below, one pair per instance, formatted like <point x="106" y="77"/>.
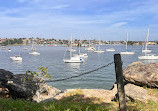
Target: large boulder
<point x="26" y="86"/>
<point x="142" y="74"/>
<point x="138" y="93"/>
<point x="5" y="76"/>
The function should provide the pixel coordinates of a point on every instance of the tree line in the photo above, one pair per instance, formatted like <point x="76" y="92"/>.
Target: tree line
<point x="12" y="41"/>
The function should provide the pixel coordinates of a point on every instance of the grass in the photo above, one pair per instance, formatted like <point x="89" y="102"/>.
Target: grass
<point x="75" y="101"/>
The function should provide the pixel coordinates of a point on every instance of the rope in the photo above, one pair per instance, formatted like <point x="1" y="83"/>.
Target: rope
<point x="80" y="74"/>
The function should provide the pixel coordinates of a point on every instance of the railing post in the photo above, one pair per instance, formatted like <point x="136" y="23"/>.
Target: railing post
<point x="119" y="80"/>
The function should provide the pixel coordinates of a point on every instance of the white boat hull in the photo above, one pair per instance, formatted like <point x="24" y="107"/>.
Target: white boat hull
<point x="148" y="51"/>
<point x="90" y="49"/>
<point x="110" y="50"/>
<point x="34" y="53"/>
<point x="71" y="50"/>
<point x="127" y="53"/>
<point x="148" y="57"/>
<point x="75" y="59"/>
<point x="99" y="51"/>
<point x="16" y="58"/>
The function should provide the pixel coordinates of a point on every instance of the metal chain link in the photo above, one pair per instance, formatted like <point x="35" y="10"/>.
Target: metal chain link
<point x="80" y="74"/>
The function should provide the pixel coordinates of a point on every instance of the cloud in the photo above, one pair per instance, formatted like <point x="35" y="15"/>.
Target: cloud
<point x="119" y="24"/>
<point x="30" y="1"/>
<point x="60" y="6"/>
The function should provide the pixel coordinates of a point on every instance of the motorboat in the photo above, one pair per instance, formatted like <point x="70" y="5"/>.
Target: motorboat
<point x="127" y="52"/>
<point x="2" y="47"/>
<point x="16" y="58"/>
<point x="9" y="50"/>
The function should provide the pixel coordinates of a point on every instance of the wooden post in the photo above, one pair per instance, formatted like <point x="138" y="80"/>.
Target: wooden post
<point x="119" y="80"/>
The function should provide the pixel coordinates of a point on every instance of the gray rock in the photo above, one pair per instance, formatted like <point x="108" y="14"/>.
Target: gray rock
<point x="142" y="74"/>
<point x="138" y="93"/>
<point x="26" y="86"/>
<point x="45" y="93"/>
<point x="5" y="76"/>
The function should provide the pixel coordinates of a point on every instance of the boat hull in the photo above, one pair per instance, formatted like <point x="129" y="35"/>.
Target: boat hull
<point x="16" y="58"/>
<point x="75" y="59"/>
<point x="34" y="53"/>
<point x="99" y="51"/>
<point x="148" y="57"/>
<point x="127" y="53"/>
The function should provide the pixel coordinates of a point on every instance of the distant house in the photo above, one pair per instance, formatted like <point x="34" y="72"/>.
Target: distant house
<point x="2" y="40"/>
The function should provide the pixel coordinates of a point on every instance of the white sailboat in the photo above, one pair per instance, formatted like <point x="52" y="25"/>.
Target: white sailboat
<point x="148" y="56"/>
<point x="33" y="51"/>
<point x="146" y="44"/>
<point x="82" y="55"/>
<point x="99" y="50"/>
<point x="70" y="48"/>
<point x="9" y="50"/>
<point x="110" y="49"/>
<point x="73" y="59"/>
<point x="127" y="52"/>
<point x="90" y="48"/>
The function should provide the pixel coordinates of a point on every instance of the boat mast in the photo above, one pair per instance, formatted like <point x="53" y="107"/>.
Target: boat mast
<point x="146" y="44"/>
<point x="126" y="41"/>
<point x="71" y="47"/>
<point x="99" y="44"/>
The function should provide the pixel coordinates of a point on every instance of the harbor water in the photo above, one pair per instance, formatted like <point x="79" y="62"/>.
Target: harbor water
<point x="52" y="57"/>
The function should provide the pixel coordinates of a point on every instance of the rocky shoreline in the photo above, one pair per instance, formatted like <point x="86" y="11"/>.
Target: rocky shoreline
<point x="136" y="75"/>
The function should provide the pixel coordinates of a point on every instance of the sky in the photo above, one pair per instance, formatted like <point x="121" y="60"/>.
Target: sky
<point x="82" y="19"/>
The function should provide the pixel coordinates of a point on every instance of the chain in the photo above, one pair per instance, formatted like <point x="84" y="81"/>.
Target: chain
<point x="80" y="74"/>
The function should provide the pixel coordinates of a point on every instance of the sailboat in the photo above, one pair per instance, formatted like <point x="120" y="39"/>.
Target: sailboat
<point x="110" y="49"/>
<point x="99" y="50"/>
<point x="33" y="51"/>
<point x="73" y="59"/>
<point x="148" y="56"/>
<point x="70" y="48"/>
<point x="127" y="52"/>
<point x="146" y="44"/>
<point x="90" y="48"/>
<point x="9" y="50"/>
<point x="82" y="55"/>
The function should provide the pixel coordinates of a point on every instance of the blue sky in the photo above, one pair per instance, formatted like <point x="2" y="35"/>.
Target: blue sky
<point x="59" y="19"/>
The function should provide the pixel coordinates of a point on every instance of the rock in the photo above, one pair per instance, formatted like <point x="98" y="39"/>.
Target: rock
<point x="138" y="93"/>
<point x="5" y="76"/>
<point x="105" y="95"/>
<point x="23" y="86"/>
<point x="45" y="93"/>
<point x="26" y="86"/>
<point x="142" y="74"/>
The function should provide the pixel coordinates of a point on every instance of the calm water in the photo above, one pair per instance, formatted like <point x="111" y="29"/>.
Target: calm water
<point x="52" y="57"/>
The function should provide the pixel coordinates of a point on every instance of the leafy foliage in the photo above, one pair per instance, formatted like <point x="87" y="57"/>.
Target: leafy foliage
<point x="43" y="73"/>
